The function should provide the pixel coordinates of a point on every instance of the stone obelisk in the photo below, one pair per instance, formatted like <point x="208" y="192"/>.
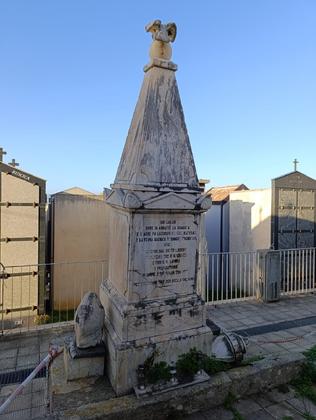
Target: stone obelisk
<point x="150" y="296"/>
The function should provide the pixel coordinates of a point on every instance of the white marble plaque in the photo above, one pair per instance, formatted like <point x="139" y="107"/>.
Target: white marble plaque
<point x="164" y="255"/>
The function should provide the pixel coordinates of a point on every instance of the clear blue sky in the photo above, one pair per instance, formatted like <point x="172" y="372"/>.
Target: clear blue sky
<point x="71" y="71"/>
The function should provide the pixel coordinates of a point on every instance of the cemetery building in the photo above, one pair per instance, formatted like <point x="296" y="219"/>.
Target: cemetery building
<point x="293" y="218"/>
<point x="77" y="226"/>
<point x="22" y="245"/>
<point x="280" y="217"/>
<point x="217" y="217"/>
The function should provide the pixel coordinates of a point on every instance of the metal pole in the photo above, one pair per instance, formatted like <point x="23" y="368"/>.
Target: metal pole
<point x="2" y="277"/>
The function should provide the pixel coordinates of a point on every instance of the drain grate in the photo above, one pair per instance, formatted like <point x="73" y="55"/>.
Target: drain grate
<point x="278" y="326"/>
<point x="18" y="376"/>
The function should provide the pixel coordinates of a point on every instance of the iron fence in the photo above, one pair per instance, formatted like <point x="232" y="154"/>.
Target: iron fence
<point x="298" y="271"/>
<point x="230" y="276"/>
<point x="34" y="295"/>
<point x="236" y="276"/>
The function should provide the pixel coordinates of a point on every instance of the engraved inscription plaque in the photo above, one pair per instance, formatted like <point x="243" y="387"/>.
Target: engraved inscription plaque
<point x="165" y="255"/>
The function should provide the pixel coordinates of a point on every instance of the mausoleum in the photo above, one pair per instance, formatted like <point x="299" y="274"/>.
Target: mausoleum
<point x="22" y="244"/>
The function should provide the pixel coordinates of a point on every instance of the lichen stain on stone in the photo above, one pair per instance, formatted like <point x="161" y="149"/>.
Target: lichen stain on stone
<point x="176" y="312"/>
<point x="140" y="319"/>
<point x="171" y="301"/>
<point x="157" y="148"/>
<point x="193" y="312"/>
<point x="157" y="317"/>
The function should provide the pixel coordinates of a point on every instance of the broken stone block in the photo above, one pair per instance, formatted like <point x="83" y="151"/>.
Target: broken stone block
<point x="83" y="363"/>
<point x="89" y="319"/>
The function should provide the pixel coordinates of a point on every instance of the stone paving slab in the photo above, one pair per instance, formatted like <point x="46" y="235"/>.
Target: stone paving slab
<point x="266" y="406"/>
<point x="292" y="325"/>
<point x="281" y="410"/>
<point x="303" y="405"/>
<point x="287" y="308"/>
<point x="214" y="414"/>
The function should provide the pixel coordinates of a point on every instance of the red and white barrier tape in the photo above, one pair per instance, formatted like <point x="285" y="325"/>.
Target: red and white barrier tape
<point x="53" y="352"/>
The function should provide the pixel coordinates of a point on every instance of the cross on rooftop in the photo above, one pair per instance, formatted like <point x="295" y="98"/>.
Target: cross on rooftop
<point x="14" y="163"/>
<point x="2" y="153"/>
<point x="295" y="161"/>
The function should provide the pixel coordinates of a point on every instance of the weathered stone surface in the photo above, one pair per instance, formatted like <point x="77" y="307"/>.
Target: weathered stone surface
<point x="128" y="355"/>
<point x="178" y="403"/>
<point x="89" y="318"/>
<point x="164" y="253"/>
<point x="150" y="296"/>
<point x="89" y="352"/>
<point x="148" y="319"/>
<point x="157" y="150"/>
<point x="162" y="35"/>
<point x="82" y="367"/>
<point x="162" y="200"/>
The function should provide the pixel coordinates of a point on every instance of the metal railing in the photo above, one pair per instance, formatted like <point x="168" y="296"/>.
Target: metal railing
<point x="230" y="277"/>
<point x="34" y="295"/>
<point x="298" y="271"/>
<point x="236" y="276"/>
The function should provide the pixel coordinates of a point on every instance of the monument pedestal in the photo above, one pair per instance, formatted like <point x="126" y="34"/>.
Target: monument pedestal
<point x="150" y="300"/>
<point x="126" y="356"/>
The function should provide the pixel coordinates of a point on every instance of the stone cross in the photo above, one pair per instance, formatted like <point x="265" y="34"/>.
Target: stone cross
<point x="2" y="153"/>
<point x="295" y="161"/>
<point x="14" y="163"/>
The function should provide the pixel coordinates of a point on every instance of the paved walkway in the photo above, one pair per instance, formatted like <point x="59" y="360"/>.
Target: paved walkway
<point x="285" y="326"/>
<point x="273" y="328"/>
<point x="276" y="404"/>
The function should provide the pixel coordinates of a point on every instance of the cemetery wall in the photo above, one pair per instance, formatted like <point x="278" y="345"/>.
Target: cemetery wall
<point x="213" y="225"/>
<point x="250" y="220"/>
<point x="19" y="223"/>
<point x="78" y="234"/>
<point x="217" y="228"/>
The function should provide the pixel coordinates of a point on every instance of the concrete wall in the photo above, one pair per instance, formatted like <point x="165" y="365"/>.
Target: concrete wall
<point x="213" y="228"/>
<point x="79" y="234"/>
<point x="250" y="220"/>
<point x="226" y="228"/>
<point x="217" y="228"/>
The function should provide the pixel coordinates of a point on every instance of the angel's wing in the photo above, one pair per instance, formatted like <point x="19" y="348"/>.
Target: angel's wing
<point x="154" y="26"/>
<point x="172" y="31"/>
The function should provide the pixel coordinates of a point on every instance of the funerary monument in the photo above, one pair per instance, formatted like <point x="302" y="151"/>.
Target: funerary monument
<point x="150" y="296"/>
